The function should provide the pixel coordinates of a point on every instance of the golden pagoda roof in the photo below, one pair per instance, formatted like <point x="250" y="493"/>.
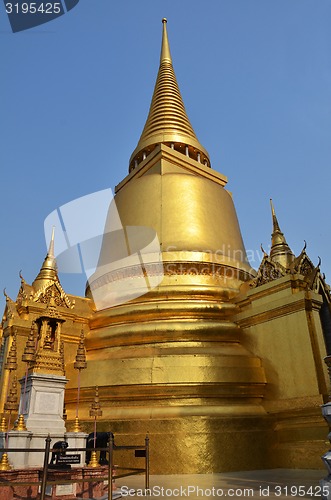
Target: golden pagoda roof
<point x="167" y="121"/>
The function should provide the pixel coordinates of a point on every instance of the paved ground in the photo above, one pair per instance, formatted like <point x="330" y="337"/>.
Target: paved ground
<point x="277" y="483"/>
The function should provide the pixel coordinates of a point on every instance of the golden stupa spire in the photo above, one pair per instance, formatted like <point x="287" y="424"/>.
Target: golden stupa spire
<point x="48" y="271"/>
<point x="280" y="251"/>
<point x="167" y="121"/>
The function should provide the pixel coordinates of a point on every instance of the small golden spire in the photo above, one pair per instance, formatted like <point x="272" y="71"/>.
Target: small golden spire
<point x="280" y="251"/>
<point x="167" y="121"/>
<point x="77" y="426"/>
<point x="4" y="463"/>
<point x="94" y="460"/>
<point x="48" y="271"/>
<point x="20" y="424"/>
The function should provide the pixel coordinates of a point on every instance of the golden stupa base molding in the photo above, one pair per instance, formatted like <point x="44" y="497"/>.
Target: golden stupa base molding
<point x="199" y="441"/>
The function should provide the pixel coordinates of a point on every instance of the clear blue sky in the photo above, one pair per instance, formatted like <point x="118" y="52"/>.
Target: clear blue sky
<point x="255" y="76"/>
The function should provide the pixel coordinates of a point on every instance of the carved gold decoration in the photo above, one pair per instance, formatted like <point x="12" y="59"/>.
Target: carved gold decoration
<point x="282" y="261"/>
<point x="52" y="293"/>
<point x="49" y="357"/>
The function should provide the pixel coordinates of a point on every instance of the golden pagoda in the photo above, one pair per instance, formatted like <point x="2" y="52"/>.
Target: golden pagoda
<point x="221" y="365"/>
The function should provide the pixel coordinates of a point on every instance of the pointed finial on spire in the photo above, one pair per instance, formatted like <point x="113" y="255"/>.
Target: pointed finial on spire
<point x="51" y="244"/>
<point x="165" y="48"/>
<point x="274" y="218"/>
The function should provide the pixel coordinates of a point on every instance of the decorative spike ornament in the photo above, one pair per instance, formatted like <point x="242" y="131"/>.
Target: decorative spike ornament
<point x="80" y="363"/>
<point x="95" y="410"/>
